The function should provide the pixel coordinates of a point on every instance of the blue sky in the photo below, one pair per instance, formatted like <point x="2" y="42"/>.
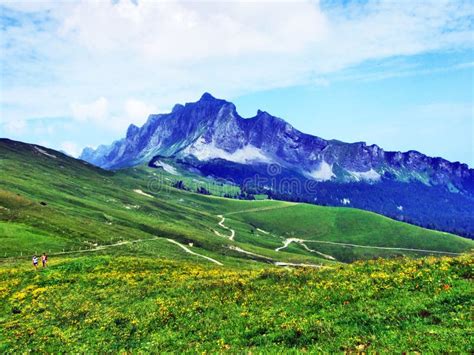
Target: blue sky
<point x="397" y="74"/>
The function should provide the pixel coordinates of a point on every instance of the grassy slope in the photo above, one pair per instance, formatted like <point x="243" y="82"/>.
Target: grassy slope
<point x="88" y="206"/>
<point x="165" y="299"/>
<point x="128" y="304"/>
<point x="345" y="225"/>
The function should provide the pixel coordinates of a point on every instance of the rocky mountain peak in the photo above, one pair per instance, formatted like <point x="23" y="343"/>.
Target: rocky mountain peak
<point x="262" y="114"/>
<point x="132" y="131"/>
<point x="207" y="97"/>
<point x="206" y="107"/>
<point x="177" y="108"/>
<point x="211" y="129"/>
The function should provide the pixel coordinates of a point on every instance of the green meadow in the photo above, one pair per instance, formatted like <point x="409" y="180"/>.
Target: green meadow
<point x="136" y="264"/>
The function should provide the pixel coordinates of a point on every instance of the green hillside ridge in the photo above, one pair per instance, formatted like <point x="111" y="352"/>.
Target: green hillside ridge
<point x="51" y="202"/>
<point x="136" y="265"/>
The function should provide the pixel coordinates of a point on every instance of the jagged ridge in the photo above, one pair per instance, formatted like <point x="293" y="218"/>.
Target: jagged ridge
<point x="211" y="129"/>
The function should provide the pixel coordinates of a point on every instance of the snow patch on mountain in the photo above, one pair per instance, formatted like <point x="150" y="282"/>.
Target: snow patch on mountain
<point x="44" y="152"/>
<point x="166" y="167"/>
<point x="323" y="172"/>
<point x="370" y="175"/>
<point x="204" y="151"/>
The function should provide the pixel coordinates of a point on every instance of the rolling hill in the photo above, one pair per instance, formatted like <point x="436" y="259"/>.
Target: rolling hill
<point x="52" y="202"/>
<point x="138" y="265"/>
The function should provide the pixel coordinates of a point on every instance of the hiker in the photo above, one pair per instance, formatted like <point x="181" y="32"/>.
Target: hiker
<point x="35" y="262"/>
<point x="44" y="259"/>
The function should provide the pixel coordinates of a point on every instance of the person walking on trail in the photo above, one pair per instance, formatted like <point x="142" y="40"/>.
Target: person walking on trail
<point x="35" y="262"/>
<point x="44" y="259"/>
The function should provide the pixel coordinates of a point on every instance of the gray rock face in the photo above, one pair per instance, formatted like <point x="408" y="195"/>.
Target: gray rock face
<point x="211" y="129"/>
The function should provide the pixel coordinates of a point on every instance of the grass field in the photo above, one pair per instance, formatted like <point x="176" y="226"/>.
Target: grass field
<point x="137" y="265"/>
<point x="111" y="304"/>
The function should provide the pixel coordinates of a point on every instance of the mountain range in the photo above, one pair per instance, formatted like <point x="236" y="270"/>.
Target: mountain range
<point x="140" y="269"/>
<point x="265" y="154"/>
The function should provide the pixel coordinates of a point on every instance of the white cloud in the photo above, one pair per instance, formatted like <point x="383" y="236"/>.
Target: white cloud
<point x="381" y="29"/>
<point x="117" y="60"/>
<point x="15" y="127"/>
<point x="175" y="50"/>
<point x="137" y="111"/>
<point x="178" y="30"/>
<point x="117" y="118"/>
<point x="96" y="111"/>
<point x="70" y="148"/>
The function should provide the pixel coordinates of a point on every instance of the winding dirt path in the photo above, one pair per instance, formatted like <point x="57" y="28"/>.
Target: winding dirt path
<point x="240" y="250"/>
<point x="232" y="232"/>
<point x="302" y="241"/>
<point x="327" y="256"/>
<point x="221" y="223"/>
<point x="104" y="246"/>
<point x="187" y="250"/>
<point x="280" y="263"/>
<point x="288" y="241"/>
<point x="274" y="262"/>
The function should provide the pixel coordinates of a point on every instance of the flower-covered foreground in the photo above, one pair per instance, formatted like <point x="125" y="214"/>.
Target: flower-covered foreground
<point x="104" y="303"/>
